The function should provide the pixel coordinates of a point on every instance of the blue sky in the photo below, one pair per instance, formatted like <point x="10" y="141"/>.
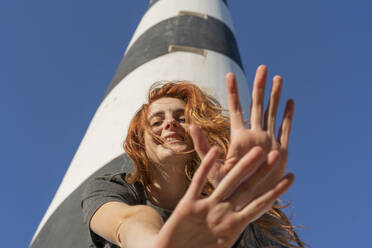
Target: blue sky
<point x="58" y="57"/>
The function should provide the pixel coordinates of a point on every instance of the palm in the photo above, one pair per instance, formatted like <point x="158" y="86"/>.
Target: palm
<point x="218" y="220"/>
<point x="243" y="140"/>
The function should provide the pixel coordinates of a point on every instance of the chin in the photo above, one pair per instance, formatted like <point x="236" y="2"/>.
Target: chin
<point x="174" y="151"/>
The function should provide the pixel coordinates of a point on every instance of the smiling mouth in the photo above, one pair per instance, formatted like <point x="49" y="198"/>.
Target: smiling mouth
<point x="173" y="140"/>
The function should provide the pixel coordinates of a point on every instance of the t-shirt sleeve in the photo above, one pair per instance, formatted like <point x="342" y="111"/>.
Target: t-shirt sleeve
<point x="253" y="233"/>
<point x="108" y="188"/>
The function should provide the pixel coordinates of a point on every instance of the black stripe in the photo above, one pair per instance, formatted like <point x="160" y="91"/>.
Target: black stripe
<point x="183" y="30"/>
<point x="65" y="227"/>
<point x="152" y="2"/>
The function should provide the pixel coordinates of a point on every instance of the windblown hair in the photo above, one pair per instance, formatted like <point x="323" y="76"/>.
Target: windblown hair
<point x="206" y="112"/>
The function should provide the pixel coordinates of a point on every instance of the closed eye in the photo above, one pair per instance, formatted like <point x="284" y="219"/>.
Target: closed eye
<point x="181" y="119"/>
<point x="156" y="123"/>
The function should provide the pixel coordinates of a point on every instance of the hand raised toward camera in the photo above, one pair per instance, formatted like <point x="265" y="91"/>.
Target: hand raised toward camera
<point x="260" y="133"/>
<point x="218" y="220"/>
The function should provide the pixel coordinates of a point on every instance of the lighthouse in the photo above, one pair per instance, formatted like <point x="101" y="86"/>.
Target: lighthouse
<point x="188" y="40"/>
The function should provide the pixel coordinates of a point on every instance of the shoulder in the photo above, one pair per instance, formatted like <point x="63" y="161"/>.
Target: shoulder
<point x="110" y="188"/>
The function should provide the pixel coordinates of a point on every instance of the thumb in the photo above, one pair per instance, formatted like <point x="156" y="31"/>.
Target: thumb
<point x="200" y="141"/>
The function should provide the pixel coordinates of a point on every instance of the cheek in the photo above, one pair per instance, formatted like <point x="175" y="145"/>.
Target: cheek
<point x="149" y="147"/>
<point x="148" y="141"/>
<point x="154" y="139"/>
<point x="186" y="132"/>
<point x="156" y="130"/>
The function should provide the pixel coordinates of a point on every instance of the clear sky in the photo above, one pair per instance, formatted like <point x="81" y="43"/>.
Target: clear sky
<point x="58" y="57"/>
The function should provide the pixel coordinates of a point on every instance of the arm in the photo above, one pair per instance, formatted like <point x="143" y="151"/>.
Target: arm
<point x="126" y="226"/>
<point x="212" y="222"/>
<point x="113" y="212"/>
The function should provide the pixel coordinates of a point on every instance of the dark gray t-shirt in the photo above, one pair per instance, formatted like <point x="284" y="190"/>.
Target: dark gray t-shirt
<point x="113" y="188"/>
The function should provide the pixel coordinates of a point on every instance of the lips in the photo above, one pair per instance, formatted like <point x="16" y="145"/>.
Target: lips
<point x="173" y="138"/>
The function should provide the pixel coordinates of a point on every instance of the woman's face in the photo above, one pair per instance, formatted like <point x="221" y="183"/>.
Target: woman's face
<point x="167" y="119"/>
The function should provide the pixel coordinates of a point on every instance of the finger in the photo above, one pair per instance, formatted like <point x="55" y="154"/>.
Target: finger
<point x="262" y="204"/>
<point x="258" y="95"/>
<point x="200" y="141"/>
<point x="235" y="109"/>
<point x="285" y="127"/>
<point x="200" y="178"/>
<point x="243" y="169"/>
<point x="272" y="108"/>
<point x="256" y="183"/>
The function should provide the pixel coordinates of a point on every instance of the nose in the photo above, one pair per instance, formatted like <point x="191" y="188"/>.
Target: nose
<point x="171" y="123"/>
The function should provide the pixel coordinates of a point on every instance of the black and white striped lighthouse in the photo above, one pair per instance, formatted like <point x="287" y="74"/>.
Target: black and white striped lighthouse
<point x="190" y="40"/>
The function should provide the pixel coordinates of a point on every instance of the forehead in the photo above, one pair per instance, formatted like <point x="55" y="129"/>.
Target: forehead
<point x="166" y="104"/>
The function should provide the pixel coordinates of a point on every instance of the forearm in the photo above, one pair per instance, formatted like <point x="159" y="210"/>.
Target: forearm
<point x="140" y="229"/>
<point x="126" y="226"/>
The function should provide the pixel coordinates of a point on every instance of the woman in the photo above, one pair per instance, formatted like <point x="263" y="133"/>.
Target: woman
<point x="184" y="193"/>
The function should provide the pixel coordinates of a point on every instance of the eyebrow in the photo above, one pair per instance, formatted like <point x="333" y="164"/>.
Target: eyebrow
<point x="161" y="113"/>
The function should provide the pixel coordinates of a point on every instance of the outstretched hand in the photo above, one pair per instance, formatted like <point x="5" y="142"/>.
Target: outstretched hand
<point x="260" y="133"/>
<point x="218" y="220"/>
